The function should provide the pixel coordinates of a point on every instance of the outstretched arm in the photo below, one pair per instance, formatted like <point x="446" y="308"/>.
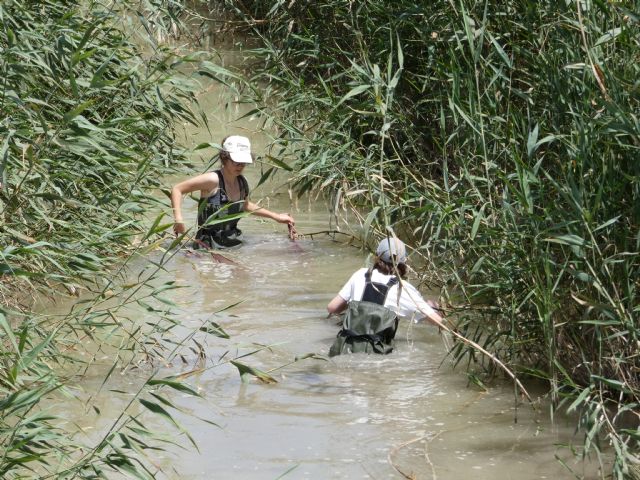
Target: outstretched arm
<point x="256" y="209"/>
<point x="337" y="305"/>
<point x="432" y="317"/>
<point x="412" y="304"/>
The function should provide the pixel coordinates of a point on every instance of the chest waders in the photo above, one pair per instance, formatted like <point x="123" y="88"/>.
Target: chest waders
<point x="368" y="325"/>
<point x="218" y="206"/>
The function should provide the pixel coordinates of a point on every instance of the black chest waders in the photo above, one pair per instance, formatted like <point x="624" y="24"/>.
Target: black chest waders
<point x="368" y="325"/>
<point x="223" y="234"/>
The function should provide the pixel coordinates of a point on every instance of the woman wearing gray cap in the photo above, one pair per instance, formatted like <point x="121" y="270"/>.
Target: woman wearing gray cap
<point x="224" y="192"/>
<point x="374" y="298"/>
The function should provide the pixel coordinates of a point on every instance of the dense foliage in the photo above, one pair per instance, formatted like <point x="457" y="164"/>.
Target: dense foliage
<point x="86" y="130"/>
<point x="501" y="140"/>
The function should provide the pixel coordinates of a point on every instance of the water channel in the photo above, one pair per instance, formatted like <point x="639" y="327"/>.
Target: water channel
<point x="405" y="415"/>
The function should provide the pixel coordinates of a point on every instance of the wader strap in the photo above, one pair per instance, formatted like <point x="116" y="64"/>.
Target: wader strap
<point x="242" y="183"/>
<point x="230" y="227"/>
<point x="376" y="341"/>
<point x="221" y="186"/>
<point x="376" y="292"/>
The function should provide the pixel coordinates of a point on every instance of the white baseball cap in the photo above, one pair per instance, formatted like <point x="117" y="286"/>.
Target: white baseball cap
<point x="238" y="148"/>
<point x="391" y="247"/>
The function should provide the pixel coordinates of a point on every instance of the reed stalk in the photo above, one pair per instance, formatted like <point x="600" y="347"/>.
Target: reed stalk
<point x="88" y="103"/>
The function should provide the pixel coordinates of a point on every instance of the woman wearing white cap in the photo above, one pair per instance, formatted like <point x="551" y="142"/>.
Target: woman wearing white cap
<point x="222" y="192"/>
<point x="380" y="285"/>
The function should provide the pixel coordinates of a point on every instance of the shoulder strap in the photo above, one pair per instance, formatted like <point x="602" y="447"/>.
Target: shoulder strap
<point x="220" y="181"/>
<point x="367" y="276"/>
<point x="376" y="292"/>
<point x="244" y="187"/>
<point x="392" y="281"/>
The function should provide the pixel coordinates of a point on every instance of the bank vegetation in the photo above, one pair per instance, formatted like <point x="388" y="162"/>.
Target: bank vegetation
<point x="88" y="104"/>
<point x="501" y="140"/>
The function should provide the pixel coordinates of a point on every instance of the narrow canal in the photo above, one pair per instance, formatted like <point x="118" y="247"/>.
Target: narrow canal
<point x="405" y="415"/>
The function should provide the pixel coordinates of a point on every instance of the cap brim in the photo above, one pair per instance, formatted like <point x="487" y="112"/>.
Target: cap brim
<point x="389" y="259"/>
<point x="241" y="157"/>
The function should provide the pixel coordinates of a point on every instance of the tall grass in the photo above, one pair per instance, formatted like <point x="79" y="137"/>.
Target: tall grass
<point x="86" y="131"/>
<point x="90" y="97"/>
<point x="501" y="139"/>
<point x="85" y="134"/>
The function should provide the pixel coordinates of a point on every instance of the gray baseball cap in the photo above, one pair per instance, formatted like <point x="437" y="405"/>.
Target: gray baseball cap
<point x="389" y="247"/>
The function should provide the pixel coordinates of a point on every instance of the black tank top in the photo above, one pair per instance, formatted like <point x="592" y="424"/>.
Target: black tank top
<point x="211" y="205"/>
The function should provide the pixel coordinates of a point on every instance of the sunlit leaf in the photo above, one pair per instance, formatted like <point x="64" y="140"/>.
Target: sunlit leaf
<point x="247" y="371"/>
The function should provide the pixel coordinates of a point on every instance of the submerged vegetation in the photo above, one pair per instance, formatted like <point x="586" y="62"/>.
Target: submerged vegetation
<point x="501" y="140"/>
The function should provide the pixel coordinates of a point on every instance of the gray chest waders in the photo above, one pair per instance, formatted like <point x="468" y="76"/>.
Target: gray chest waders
<point x="368" y="325"/>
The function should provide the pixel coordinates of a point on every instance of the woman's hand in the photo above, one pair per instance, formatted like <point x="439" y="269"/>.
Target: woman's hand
<point x="256" y="209"/>
<point x="179" y="228"/>
<point x="285" y="218"/>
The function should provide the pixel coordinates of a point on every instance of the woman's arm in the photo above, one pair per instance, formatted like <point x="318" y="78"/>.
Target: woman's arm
<point x="412" y="304"/>
<point x="256" y="209"/>
<point x="337" y="305"/>
<point x="432" y="317"/>
<point x="207" y="183"/>
<point x="346" y="294"/>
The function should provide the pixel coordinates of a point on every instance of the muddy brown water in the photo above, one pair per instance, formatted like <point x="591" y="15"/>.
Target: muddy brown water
<point x="405" y="415"/>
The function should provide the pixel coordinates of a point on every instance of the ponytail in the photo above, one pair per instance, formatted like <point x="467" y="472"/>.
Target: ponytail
<point x="389" y="268"/>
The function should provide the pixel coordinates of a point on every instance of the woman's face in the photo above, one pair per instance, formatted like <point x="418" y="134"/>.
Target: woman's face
<point x="234" y="168"/>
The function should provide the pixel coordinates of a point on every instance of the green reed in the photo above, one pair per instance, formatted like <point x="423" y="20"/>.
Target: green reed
<point x="89" y="101"/>
<point x="86" y="132"/>
<point x="501" y="140"/>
